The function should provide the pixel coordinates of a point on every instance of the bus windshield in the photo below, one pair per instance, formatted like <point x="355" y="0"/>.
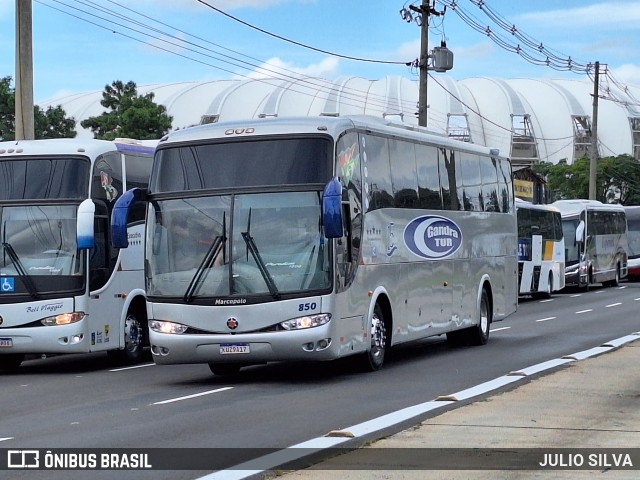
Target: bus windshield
<point x="267" y="244"/>
<point x="40" y="240"/>
<point x="40" y="178"/>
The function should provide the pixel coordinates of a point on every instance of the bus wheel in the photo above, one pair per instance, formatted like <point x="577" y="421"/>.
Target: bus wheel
<point x="134" y="336"/>
<point x="479" y="335"/>
<point x="616" y="281"/>
<point x="548" y="290"/>
<point x="374" y="357"/>
<point x="224" y="369"/>
<point x="11" y="361"/>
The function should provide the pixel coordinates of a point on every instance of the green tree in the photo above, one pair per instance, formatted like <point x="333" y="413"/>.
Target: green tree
<point x="52" y="123"/>
<point x="617" y="179"/>
<point x="130" y="115"/>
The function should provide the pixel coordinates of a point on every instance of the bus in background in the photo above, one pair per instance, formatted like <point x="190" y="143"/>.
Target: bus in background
<point x="540" y="249"/>
<point x="63" y="287"/>
<point x="318" y="238"/>
<point x="595" y="242"/>
<point x="633" y="239"/>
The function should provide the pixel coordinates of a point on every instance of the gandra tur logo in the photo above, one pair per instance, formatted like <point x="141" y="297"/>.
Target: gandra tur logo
<point x="432" y="237"/>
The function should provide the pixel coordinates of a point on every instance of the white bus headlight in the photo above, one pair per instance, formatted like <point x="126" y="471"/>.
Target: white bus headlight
<point x="308" y="321"/>
<point x="167" y="327"/>
<point x="62" y="319"/>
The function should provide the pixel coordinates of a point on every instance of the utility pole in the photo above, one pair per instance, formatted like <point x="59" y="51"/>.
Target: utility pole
<point x="424" y="9"/>
<point x="594" y="137"/>
<point x="25" y="129"/>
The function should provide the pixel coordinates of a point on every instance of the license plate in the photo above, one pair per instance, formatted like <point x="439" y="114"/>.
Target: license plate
<point x="6" y="342"/>
<point x="234" y="348"/>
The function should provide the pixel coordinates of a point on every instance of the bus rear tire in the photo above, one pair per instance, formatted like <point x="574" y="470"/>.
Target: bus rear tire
<point x="135" y="335"/>
<point x="478" y="334"/>
<point x="11" y="361"/>
<point x="616" y="281"/>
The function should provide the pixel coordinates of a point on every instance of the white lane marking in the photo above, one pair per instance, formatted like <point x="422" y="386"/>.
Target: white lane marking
<point x="622" y="287"/>
<point x="187" y="397"/>
<point x="6" y="438"/>
<point x="547" y="300"/>
<point x="576" y="295"/>
<point x="498" y="329"/>
<point x="600" y="291"/>
<point x="132" y="367"/>
<point x="584" y="311"/>
<point x="545" y="319"/>
<point x="274" y="460"/>
<point x="636" y="299"/>
<point x="613" y="305"/>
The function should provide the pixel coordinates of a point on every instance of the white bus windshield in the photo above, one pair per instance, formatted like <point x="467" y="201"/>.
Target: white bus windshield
<point x="236" y="245"/>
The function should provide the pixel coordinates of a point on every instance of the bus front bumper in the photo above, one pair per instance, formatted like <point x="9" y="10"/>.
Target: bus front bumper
<point x="311" y="344"/>
<point x="71" y="338"/>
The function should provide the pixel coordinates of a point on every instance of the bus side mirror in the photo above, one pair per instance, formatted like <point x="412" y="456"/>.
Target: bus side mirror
<point x="120" y="214"/>
<point x="84" y="225"/>
<point x="332" y="209"/>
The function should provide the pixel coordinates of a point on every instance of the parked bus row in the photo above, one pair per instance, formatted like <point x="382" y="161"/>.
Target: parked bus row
<point x="64" y="288"/>
<point x="575" y="243"/>
<point x="304" y="239"/>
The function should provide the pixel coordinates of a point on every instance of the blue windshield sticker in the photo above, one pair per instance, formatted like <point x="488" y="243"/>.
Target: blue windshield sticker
<point x="7" y="285"/>
<point x="432" y="237"/>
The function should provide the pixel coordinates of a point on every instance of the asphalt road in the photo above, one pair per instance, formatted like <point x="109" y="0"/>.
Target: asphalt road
<point x="83" y="402"/>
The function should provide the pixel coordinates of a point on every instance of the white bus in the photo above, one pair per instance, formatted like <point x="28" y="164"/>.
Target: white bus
<point x="540" y="249"/>
<point x="319" y="237"/>
<point x="633" y="237"/>
<point x="63" y="287"/>
<point x="595" y="242"/>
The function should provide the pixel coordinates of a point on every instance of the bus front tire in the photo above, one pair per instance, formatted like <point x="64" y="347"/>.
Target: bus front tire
<point x="373" y="359"/>
<point x="11" y="361"/>
<point x="135" y="335"/>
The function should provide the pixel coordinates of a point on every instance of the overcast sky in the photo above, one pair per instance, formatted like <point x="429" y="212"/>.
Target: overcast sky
<point x="83" y="45"/>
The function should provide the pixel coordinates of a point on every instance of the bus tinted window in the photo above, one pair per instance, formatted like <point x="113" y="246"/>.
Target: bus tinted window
<point x="489" y="184"/>
<point x="447" y="165"/>
<point x="428" y="177"/>
<point x="404" y="178"/>
<point x="469" y="182"/>
<point x="377" y="174"/>
<point x="291" y="161"/>
<point x="37" y="178"/>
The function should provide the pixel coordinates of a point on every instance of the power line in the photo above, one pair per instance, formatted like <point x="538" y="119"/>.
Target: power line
<point x="279" y="37"/>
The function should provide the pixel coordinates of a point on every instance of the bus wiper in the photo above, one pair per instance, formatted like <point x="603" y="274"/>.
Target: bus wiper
<point x="26" y="278"/>
<point x="253" y="248"/>
<point x="207" y="261"/>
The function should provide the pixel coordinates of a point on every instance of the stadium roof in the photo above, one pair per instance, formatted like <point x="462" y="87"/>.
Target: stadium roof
<point x="529" y="120"/>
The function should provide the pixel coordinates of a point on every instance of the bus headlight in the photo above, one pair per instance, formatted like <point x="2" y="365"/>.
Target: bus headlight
<point x="167" y="327"/>
<point x="308" y="321"/>
<point x="62" y="319"/>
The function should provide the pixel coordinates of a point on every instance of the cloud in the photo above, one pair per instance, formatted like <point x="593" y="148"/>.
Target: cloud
<point x="477" y="51"/>
<point x="276" y="67"/>
<point x="604" y="15"/>
<point x="627" y="74"/>
<point x="221" y="4"/>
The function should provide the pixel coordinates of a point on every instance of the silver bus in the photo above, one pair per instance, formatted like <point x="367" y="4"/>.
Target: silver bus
<point x="595" y="242"/>
<point x="320" y="237"/>
<point x="540" y="249"/>
<point x="63" y="287"/>
<point x="633" y="238"/>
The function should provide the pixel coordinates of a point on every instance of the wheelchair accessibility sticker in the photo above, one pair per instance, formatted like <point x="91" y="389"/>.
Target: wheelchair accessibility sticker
<point x="7" y="285"/>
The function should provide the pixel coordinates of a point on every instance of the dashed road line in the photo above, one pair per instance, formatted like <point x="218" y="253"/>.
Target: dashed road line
<point x="498" y="329"/>
<point x="132" y="367"/>
<point x="584" y="311"/>
<point x="187" y="397"/>
<point x="613" y="305"/>
<point x="546" y="319"/>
